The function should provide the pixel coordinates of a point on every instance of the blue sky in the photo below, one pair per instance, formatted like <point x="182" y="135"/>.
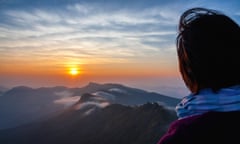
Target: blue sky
<point x="113" y="34"/>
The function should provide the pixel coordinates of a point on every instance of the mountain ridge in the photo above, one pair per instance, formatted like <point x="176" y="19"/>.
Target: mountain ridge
<point x="115" y="123"/>
<point x="21" y="104"/>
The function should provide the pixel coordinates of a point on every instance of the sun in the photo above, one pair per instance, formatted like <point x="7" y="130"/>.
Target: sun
<point x="74" y="71"/>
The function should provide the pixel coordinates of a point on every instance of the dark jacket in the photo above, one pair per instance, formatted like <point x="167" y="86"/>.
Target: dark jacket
<point x="208" y="128"/>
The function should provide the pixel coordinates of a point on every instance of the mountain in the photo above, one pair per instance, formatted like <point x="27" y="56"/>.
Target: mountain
<point x="121" y="94"/>
<point x="113" y="124"/>
<point x="23" y="105"/>
<point x="2" y="90"/>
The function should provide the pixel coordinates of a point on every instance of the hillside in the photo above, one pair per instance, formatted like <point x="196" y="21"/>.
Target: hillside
<point x="23" y="105"/>
<point x="114" y="124"/>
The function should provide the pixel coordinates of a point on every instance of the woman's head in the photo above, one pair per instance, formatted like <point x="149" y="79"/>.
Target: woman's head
<point x="208" y="46"/>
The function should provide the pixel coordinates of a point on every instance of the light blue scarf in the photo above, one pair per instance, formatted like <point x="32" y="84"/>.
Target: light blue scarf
<point x="224" y="100"/>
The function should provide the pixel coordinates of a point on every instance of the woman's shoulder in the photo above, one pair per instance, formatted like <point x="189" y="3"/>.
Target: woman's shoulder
<point x="202" y="127"/>
<point x="212" y="118"/>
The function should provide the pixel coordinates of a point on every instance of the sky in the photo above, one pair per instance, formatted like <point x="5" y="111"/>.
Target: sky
<point x="107" y="41"/>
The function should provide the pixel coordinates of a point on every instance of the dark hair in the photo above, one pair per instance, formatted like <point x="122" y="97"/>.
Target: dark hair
<point x="208" y="45"/>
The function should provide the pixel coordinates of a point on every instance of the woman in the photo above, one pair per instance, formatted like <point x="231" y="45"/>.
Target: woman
<point x="208" y="46"/>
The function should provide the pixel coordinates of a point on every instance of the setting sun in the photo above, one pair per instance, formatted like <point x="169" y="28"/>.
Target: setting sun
<point x="74" y="71"/>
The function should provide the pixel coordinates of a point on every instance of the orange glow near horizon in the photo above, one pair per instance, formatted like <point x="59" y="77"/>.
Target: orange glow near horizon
<point x="75" y="74"/>
<point x="89" y="70"/>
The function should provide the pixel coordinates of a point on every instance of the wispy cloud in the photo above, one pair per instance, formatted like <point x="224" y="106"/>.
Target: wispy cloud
<point x="79" y="29"/>
<point x="93" y="104"/>
<point x="67" y="101"/>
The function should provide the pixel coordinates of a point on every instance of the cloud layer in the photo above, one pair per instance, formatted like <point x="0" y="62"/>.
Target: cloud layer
<point x="78" y="32"/>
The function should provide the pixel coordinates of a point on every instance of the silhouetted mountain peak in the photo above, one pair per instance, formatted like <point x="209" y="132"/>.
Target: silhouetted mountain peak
<point x="117" y="107"/>
<point x="93" y="84"/>
<point x="150" y="106"/>
<point x="19" y="89"/>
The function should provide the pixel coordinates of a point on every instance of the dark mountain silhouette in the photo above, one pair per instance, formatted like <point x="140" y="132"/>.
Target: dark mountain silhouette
<point x="2" y="90"/>
<point x="114" y="124"/>
<point x="22" y="105"/>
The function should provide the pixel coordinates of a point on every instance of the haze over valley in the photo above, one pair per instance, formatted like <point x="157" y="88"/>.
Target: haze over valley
<point x="61" y="114"/>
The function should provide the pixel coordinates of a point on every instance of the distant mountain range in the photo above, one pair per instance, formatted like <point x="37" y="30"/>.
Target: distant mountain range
<point x="21" y="105"/>
<point x="95" y="113"/>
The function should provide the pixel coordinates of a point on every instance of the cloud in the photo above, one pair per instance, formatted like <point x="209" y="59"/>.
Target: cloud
<point x="38" y="25"/>
<point x="80" y="8"/>
<point x="118" y="90"/>
<point x="67" y="101"/>
<point x="95" y="104"/>
<point x="33" y="16"/>
<point x="66" y="98"/>
<point x="63" y="94"/>
<point x="105" y="95"/>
